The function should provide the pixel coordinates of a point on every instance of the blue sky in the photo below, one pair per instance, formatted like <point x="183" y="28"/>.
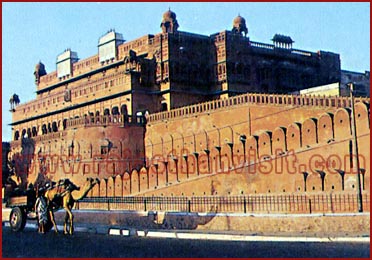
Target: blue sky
<point x="33" y="32"/>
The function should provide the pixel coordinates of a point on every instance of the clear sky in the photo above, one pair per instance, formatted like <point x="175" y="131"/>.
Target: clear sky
<point x="33" y="32"/>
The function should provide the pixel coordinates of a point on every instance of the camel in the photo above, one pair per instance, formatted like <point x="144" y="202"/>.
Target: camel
<point x="64" y="195"/>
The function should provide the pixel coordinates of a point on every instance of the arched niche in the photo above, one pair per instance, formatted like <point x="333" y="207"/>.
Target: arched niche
<point x="144" y="179"/>
<point x="252" y="148"/>
<point x="264" y="144"/>
<point x="118" y="186"/>
<point x="136" y="182"/>
<point x="294" y="136"/>
<point x="103" y="188"/>
<point x="110" y="187"/>
<point x="362" y="118"/>
<point x="313" y="182"/>
<point x="152" y="176"/>
<point x="126" y="184"/>
<point x="203" y="164"/>
<point x="95" y="190"/>
<point x="342" y="128"/>
<point x="325" y="128"/>
<point x="278" y="140"/>
<point x="309" y="132"/>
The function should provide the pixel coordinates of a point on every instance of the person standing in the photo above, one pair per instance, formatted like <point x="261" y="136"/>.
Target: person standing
<point x="41" y="208"/>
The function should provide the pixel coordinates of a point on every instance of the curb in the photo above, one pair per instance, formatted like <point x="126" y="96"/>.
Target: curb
<point x="231" y="237"/>
<point x="125" y="232"/>
<point x="227" y="237"/>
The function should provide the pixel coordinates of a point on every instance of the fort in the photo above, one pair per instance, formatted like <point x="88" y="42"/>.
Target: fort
<point x="182" y="114"/>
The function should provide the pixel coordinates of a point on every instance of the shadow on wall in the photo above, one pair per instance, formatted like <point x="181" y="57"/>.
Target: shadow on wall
<point x="21" y="162"/>
<point x="151" y="220"/>
<point x="182" y="220"/>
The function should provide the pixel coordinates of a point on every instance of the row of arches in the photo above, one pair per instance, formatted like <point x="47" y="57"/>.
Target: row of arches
<point x="55" y="126"/>
<point x="327" y="128"/>
<point x="150" y="179"/>
<point x="223" y="149"/>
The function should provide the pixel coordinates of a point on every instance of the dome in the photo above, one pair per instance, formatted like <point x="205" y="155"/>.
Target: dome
<point x="169" y="23"/>
<point x="239" y="25"/>
<point x="238" y="21"/>
<point x="169" y="15"/>
<point x="39" y="66"/>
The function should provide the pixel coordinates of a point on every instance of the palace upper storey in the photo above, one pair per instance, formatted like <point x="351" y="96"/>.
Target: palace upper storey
<point x="170" y="69"/>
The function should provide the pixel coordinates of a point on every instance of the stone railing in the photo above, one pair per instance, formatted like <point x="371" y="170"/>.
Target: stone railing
<point x="104" y="120"/>
<point x="249" y="98"/>
<point x="49" y="136"/>
<point x="262" y="45"/>
<point x="95" y="121"/>
<point x="300" y="52"/>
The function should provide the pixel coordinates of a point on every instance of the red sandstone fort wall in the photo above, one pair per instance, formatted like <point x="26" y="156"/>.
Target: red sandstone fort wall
<point x="88" y="148"/>
<point x="198" y="150"/>
<point x="289" y="143"/>
<point x="311" y="140"/>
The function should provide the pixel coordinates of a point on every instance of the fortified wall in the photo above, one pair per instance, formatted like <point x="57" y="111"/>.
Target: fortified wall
<point x="253" y="143"/>
<point x="97" y="146"/>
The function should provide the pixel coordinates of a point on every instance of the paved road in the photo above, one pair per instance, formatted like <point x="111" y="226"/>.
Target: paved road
<point x="31" y="244"/>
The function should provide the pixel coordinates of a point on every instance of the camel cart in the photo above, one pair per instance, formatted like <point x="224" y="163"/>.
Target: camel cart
<point x="22" y="204"/>
<point x="23" y="207"/>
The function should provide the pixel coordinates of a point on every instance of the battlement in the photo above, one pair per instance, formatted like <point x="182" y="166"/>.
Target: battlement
<point x="258" y="99"/>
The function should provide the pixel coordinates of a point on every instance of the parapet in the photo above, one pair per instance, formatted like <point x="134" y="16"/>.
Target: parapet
<point x="252" y="98"/>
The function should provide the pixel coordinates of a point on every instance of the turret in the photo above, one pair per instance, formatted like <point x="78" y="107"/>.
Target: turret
<point x="169" y="23"/>
<point x="39" y="71"/>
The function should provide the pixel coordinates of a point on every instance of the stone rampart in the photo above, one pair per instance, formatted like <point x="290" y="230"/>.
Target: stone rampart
<point x="311" y="154"/>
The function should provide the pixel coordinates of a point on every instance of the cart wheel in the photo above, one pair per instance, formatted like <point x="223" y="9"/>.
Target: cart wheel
<point x="17" y="219"/>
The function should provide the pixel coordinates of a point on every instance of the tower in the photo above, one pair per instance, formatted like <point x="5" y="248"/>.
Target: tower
<point x="239" y="26"/>
<point x="39" y="71"/>
<point x="169" y="23"/>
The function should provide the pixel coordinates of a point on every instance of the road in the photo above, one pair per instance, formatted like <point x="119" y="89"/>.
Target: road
<point x="29" y="243"/>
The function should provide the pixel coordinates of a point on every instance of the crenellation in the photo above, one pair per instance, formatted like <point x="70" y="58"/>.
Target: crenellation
<point x="319" y="101"/>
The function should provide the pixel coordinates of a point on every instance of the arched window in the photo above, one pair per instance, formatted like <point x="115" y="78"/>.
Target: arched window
<point x="91" y="115"/>
<point x="106" y="114"/>
<point x="115" y="111"/>
<point x="44" y="129"/>
<point x="124" y="112"/>
<point x="16" y="135"/>
<point x="23" y="133"/>
<point x="164" y="106"/>
<point x="34" y="131"/>
<point x="97" y="117"/>
<point x="54" y="127"/>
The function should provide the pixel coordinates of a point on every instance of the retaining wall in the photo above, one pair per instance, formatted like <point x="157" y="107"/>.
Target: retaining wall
<point x="316" y="224"/>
